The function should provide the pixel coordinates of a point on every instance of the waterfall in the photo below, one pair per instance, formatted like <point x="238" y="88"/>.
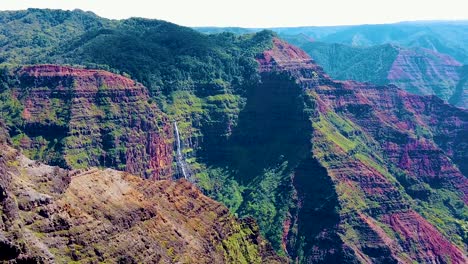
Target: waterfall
<point x="180" y="159"/>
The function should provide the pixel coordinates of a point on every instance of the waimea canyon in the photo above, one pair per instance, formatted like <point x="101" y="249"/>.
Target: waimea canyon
<point x="140" y="141"/>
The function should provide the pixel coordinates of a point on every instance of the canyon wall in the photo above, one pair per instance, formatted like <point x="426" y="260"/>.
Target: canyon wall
<point x="395" y="164"/>
<point x="53" y="215"/>
<point x="77" y="118"/>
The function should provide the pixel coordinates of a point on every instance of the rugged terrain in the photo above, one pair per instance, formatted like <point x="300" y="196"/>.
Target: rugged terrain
<point x="77" y="118"/>
<point x="332" y="171"/>
<point x="425" y="58"/>
<point x="416" y="70"/>
<point x="447" y="37"/>
<point x="397" y="163"/>
<point x="52" y="215"/>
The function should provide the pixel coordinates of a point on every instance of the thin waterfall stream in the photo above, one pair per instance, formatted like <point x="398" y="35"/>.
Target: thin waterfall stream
<point x="180" y="160"/>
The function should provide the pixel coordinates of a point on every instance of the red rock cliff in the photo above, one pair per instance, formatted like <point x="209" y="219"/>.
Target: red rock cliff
<point x="390" y="155"/>
<point x="93" y="118"/>
<point x="52" y="215"/>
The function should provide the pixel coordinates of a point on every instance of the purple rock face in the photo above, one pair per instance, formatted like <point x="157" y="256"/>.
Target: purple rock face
<point x="385" y="150"/>
<point x="425" y="72"/>
<point x="95" y="118"/>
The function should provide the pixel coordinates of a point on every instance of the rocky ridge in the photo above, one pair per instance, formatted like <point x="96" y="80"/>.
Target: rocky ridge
<point x="425" y="72"/>
<point x="52" y="215"/>
<point x="78" y="118"/>
<point x="392" y="158"/>
<point x="416" y="70"/>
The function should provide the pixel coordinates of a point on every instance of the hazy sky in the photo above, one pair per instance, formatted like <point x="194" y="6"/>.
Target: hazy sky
<point x="261" y="13"/>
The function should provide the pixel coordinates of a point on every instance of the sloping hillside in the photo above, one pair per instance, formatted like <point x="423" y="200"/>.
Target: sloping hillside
<point x="332" y="171"/>
<point x="51" y="215"/>
<point x="396" y="162"/>
<point x="416" y="70"/>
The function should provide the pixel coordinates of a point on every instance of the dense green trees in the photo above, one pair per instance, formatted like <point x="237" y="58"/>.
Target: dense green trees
<point x="201" y="81"/>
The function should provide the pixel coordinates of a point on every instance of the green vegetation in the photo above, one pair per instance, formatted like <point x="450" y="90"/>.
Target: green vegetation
<point x="223" y="188"/>
<point x="246" y="137"/>
<point x="10" y="107"/>
<point x="27" y="36"/>
<point x="237" y="249"/>
<point x="343" y="62"/>
<point x="267" y="198"/>
<point x="334" y="135"/>
<point x="166" y="57"/>
<point x="268" y="201"/>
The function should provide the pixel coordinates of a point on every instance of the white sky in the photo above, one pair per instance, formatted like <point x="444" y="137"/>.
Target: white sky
<point x="262" y="13"/>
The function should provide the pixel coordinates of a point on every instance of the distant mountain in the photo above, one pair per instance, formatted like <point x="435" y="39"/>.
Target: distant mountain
<point x="442" y="37"/>
<point x="235" y="30"/>
<point x="332" y="171"/>
<point x="416" y="70"/>
<point x="448" y="37"/>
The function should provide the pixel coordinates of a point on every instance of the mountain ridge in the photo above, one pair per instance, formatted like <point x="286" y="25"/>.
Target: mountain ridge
<point x="54" y="215"/>
<point x="332" y="171"/>
<point x="444" y="37"/>
<point x="416" y="70"/>
<point x="333" y="133"/>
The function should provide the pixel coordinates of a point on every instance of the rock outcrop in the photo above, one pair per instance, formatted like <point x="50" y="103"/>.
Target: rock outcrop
<point x="52" y="215"/>
<point x="425" y="72"/>
<point x="460" y="96"/>
<point x="416" y="70"/>
<point x="395" y="163"/>
<point x="333" y="171"/>
<point x="78" y="118"/>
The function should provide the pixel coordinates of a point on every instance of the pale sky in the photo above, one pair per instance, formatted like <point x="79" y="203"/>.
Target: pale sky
<point x="262" y="13"/>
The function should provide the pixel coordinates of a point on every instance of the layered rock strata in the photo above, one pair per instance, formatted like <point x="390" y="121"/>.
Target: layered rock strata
<point x="78" y="118"/>
<point x="52" y="215"/>
<point x="395" y="163"/>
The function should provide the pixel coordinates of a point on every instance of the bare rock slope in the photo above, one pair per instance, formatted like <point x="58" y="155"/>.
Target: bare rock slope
<point x="52" y="215"/>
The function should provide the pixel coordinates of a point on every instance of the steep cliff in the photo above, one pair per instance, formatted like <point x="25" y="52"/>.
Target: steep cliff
<point x="395" y="163"/>
<point x="416" y="70"/>
<point x="426" y="72"/>
<point x="332" y="171"/>
<point x="52" y="215"/>
<point x="78" y="118"/>
<point x="460" y="96"/>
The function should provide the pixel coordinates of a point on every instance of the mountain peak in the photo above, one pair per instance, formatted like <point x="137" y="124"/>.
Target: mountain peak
<point x="286" y="57"/>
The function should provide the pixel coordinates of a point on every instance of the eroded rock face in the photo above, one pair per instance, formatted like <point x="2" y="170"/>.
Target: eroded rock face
<point x="80" y="118"/>
<point x="425" y="72"/>
<point x="417" y="70"/>
<point x="395" y="161"/>
<point x="55" y="215"/>
<point x="460" y="96"/>
<point x="434" y="248"/>
<point x="87" y="80"/>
